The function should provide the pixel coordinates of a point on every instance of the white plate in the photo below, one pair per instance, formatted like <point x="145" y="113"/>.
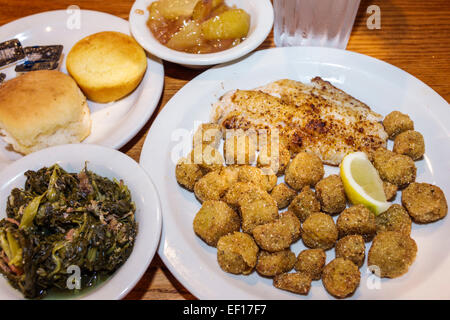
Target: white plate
<point x="113" y="124"/>
<point x="382" y="86"/>
<point x="260" y="11"/>
<point x="109" y="163"/>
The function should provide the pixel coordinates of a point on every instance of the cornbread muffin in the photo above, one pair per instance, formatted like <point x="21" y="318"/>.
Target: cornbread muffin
<point x="107" y="65"/>
<point x="41" y="109"/>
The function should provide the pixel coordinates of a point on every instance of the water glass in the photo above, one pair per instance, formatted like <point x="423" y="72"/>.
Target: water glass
<point x="323" y="23"/>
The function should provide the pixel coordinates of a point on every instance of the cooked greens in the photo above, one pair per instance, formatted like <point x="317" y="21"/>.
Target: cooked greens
<point x="63" y="219"/>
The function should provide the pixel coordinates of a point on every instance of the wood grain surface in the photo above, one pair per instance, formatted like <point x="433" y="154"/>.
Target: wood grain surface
<point x="414" y="36"/>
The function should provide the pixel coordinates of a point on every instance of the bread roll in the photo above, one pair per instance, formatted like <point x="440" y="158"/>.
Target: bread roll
<point x="107" y="65"/>
<point x="41" y="109"/>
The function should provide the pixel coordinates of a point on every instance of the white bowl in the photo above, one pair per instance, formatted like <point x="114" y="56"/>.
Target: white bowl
<point x="108" y="163"/>
<point x="261" y="13"/>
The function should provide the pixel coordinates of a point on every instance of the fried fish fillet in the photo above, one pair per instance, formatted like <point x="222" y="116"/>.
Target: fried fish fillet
<point x="316" y="117"/>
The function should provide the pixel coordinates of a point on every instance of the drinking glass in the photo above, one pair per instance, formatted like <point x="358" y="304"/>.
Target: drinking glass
<point x="323" y="23"/>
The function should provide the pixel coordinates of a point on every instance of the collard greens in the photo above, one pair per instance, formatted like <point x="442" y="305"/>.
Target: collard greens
<point x="60" y="220"/>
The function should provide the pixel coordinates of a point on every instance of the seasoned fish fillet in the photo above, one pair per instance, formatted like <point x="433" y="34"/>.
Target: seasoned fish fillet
<point x="316" y="117"/>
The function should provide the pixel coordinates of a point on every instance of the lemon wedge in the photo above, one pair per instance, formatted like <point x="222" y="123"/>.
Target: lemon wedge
<point x="362" y="183"/>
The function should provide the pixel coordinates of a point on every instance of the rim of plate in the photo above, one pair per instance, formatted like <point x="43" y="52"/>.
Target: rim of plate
<point x="123" y="280"/>
<point x="141" y="110"/>
<point x="142" y="34"/>
<point x="312" y="54"/>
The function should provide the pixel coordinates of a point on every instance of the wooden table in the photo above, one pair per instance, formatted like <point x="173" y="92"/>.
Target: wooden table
<point x="414" y="36"/>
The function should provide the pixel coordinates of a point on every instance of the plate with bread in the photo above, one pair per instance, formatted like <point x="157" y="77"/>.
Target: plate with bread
<point x="72" y="76"/>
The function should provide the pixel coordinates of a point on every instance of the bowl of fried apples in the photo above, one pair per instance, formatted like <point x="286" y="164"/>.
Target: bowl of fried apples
<point x="200" y="33"/>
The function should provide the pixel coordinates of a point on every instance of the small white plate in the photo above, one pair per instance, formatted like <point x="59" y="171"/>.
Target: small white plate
<point x="382" y="86"/>
<point x="261" y="14"/>
<point x="108" y="163"/>
<point x="113" y="124"/>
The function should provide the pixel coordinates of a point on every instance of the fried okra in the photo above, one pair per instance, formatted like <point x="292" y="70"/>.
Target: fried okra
<point x="424" y="202"/>
<point x="230" y="174"/>
<point x="243" y="192"/>
<point x="331" y="194"/>
<point x="410" y="143"/>
<point x="306" y="169"/>
<point x="276" y="162"/>
<point x="394" y="168"/>
<point x="341" y="277"/>
<point x="207" y="134"/>
<point x="208" y="158"/>
<point x="291" y="220"/>
<point x="237" y="253"/>
<point x="396" y="218"/>
<point x="214" y="185"/>
<point x="397" y="122"/>
<point x="279" y="234"/>
<point x="304" y="204"/>
<point x="257" y="176"/>
<point x="357" y="220"/>
<point x="391" y="254"/>
<point x="257" y="212"/>
<point x="283" y="195"/>
<point x="271" y="264"/>
<point x="297" y="282"/>
<point x="187" y="173"/>
<point x="214" y="220"/>
<point x="352" y="248"/>
<point x="319" y="231"/>
<point x="390" y="190"/>
<point x="240" y="149"/>
<point x="311" y="261"/>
